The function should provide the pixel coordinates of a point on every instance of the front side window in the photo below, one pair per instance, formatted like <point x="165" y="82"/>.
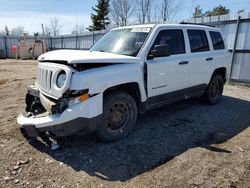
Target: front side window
<point x="217" y="40"/>
<point x="173" y="38"/>
<point x="122" y="41"/>
<point x="198" y="41"/>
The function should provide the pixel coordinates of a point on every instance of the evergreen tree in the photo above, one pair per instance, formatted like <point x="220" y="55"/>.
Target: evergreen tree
<point x="100" y="18"/>
<point x="241" y="10"/>
<point x="219" y="10"/>
<point x="197" y="12"/>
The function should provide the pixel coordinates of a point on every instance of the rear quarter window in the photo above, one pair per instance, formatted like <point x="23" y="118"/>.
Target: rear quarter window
<point x="217" y="40"/>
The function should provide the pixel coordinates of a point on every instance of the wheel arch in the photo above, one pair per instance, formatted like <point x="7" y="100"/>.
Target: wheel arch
<point x="221" y="71"/>
<point x="131" y="88"/>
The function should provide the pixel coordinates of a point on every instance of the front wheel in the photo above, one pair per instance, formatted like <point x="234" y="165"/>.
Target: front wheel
<point x="119" y="117"/>
<point x="214" y="90"/>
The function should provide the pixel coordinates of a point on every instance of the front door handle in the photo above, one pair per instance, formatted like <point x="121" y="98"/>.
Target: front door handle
<point x="209" y="59"/>
<point x="183" y="62"/>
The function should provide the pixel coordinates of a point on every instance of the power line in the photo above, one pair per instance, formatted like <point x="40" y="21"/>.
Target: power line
<point x="191" y="9"/>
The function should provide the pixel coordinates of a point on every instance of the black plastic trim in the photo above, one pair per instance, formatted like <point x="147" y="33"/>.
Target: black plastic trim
<point x="240" y="51"/>
<point x="176" y="96"/>
<point x="201" y="24"/>
<point x="73" y="127"/>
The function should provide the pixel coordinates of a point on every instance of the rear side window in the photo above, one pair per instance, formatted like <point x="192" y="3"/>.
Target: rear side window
<point x="217" y="40"/>
<point x="173" y="38"/>
<point x="198" y="40"/>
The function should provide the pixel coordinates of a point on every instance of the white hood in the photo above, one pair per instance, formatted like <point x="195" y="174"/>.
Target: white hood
<point x="85" y="56"/>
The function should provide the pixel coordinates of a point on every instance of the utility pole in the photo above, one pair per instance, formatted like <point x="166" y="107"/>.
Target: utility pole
<point x="44" y="39"/>
<point x="234" y="49"/>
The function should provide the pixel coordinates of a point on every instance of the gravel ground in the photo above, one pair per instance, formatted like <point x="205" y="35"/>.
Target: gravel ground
<point x="186" y="144"/>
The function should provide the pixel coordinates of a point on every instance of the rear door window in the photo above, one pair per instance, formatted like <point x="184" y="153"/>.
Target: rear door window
<point x="198" y="41"/>
<point x="217" y="40"/>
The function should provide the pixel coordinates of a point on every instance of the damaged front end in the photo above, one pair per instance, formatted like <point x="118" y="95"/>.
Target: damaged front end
<point x="61" y="117"/>
<point x="38" y="104"/>
<point x="58" y="103"/>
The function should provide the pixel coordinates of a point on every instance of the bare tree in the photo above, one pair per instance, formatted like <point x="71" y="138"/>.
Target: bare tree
<point x="78" y="29"/>
<point x="17" y="31"/>
<point x="169" y="9"/>
<point x="156" y="15"/>
<point x="144" y="10"/>
<point x="47" y="31"/>
<point x="115" y="19"/>
<point x="121" y="11"/>
<point x="54" y="27"/>
<point x="148" y="16"/>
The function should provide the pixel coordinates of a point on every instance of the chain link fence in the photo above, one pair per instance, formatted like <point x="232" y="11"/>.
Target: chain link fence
<point x="235" y="27"/>
<point x="81" y="41"/>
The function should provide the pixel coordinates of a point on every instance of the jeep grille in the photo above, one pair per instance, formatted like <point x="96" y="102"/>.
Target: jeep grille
<point x="46" y="79"/>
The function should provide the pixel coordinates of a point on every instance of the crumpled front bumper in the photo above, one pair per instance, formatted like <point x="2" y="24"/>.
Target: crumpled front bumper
<point x="84" y="116"/>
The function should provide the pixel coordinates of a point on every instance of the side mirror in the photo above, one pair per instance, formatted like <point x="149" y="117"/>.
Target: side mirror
<point x="159" y="51"/>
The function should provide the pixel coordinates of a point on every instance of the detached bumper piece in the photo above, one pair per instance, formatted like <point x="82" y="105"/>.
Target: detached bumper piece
<point x="73" y="127"/>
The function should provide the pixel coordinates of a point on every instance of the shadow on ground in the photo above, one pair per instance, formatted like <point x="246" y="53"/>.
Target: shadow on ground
<point x="159" y="136"/>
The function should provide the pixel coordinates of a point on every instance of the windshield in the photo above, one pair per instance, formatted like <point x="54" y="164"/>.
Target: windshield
<point x="122" y="41"/>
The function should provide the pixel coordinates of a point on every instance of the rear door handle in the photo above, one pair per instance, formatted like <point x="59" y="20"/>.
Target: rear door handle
<point x="209" y="59"/>
<point x="183" y="62"/>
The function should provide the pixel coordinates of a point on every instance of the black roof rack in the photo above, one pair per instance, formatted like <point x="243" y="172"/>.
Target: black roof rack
<point x="197" y="24"/>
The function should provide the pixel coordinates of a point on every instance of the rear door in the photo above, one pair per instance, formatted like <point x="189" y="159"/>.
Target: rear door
<point x="200" y="58"/>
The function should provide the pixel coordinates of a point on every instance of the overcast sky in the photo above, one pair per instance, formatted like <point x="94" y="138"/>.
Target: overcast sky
<point x="31" y="13"/>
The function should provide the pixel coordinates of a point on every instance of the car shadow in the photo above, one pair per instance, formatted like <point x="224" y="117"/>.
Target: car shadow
<point x="159" y="136"/>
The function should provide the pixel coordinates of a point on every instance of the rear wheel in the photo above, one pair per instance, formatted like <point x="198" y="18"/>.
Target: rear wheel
<point x="214" y="90"/>
<point x="119" y="117"/>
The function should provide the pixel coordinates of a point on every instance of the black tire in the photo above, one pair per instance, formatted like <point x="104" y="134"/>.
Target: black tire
<point x="214" y="90"/>
<point x="119" y="117"/>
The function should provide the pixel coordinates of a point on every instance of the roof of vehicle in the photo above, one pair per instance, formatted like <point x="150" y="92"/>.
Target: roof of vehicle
<point x="135" y="26"/>
<point x="183" y="25"/>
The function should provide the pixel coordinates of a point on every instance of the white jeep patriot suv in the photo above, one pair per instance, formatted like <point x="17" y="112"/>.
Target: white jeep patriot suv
<point x="128" y="71"/>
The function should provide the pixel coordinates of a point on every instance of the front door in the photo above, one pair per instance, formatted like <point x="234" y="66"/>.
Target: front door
<point x="168" y="75"/>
